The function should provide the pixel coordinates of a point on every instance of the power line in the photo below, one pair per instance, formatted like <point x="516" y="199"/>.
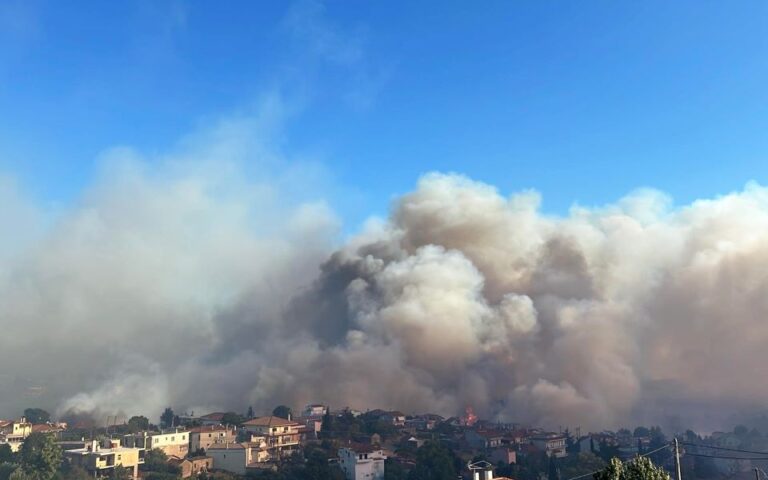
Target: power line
<point x="724" y="456"/>
<point x="643" y="455"/>
<point x="723" y="448"/>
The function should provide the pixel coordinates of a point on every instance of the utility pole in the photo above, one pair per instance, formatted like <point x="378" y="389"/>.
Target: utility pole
<point x="677" y="460"/>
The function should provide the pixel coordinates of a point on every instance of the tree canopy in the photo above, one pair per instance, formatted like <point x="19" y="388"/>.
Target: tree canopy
<point x="232" y="418"/>
<point x="40" y="456"/>
<point x="434" y="462"/>
<point x="139" y="423"/>
<point x="6" y="454"/>
<point x="37" y="415"/>
<point x="641" y="468"/>
<point x="642" y="432"/>
<point x="282" y="411"/>
<point x="166" y="419"/>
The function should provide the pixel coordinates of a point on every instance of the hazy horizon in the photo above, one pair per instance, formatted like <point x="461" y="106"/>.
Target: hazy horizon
<point x="556" y="215"/>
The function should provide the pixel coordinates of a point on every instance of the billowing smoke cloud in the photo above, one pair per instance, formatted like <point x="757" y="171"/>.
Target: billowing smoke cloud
<point x="188" y="286"/>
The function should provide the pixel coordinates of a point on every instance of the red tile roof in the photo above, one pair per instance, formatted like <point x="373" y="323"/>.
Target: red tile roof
<point x="270" y="422"/>
<point x="213" y="416"/>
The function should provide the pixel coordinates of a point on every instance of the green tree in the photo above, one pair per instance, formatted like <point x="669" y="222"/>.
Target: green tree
<point x="328" y="426"/>
<point x="641" y="432"/>
<point x="232" y="418"/>
<point x="641" y="468"/>
<point x="581" y="464"/>
<point x="40" y="456"/>
<point x="37" y="415"/>
<point x="155" y="460"/>
<point x="393" y="470"/>
<point x="138" y="423"/>
<point x="433" y="462"/>
<point x="6" y="454"/>
<point x="166" y="419"/>
<point x="74" y="472"/>
<point x="120" y="473"/>
<point x="317" y="468"/>
<point x="554" y="470"/>
<point x="740" y="430"/>
<point x="282" y="411"/>
<point x="657" y="437"/>
<point x="20" y="474"/>
<point x="6" y="469"/>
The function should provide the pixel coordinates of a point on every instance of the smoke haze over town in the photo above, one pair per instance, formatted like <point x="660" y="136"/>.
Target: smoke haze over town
<point x="156" y="283"/>
<point x="283" y="205"/>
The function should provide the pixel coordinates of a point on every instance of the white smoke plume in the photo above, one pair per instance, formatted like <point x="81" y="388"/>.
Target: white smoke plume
<point x="191" y="287"/>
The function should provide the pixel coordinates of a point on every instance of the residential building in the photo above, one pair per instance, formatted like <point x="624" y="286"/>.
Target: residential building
<point x="504" y="455"/>
<point x="362" y="462"/>
<point x="238" y="458"/>
<point x="48" y="428"/>
<point x="193" y="465"/>
<point x="214" y="418"/>
<point x="13" y="433"/>
<point x="484" y="439"/>
<point x="394" y="418"/>
<point x="100" y="460"/>
<point x="424" y="422"/>
<point x="314" y="410"/>
<point x="553" y="444"/>
<point x="281" y="436"/>
<point x="174" y="442"/>
<point x="205" y="436"/>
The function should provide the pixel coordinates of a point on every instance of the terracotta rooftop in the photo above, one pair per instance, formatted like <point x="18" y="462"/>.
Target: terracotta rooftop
<point x="45" y="428"/>
<point x="270" y="422"/>
<point x="213" y="416"/>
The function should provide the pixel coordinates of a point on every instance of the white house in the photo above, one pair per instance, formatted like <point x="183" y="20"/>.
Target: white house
<point x="362" y="462"/>
<point x="551" y="443"/>
<point x="238" y="457"/>
<point x="314" y="410"/>
<point x="173" y="442"/>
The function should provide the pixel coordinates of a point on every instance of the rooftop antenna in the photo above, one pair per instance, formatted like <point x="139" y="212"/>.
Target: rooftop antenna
<point x="481" y="470"/>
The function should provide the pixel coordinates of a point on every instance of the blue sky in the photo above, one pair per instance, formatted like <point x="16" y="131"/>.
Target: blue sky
<point x="582" y="101"/>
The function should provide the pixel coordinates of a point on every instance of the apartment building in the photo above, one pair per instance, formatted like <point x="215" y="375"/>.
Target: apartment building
<point x="282" y="436"/>
<point x="100" y="459"/>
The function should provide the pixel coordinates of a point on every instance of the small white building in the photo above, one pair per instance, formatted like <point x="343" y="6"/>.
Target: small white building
<point x="239" y="457"/>
<point x="314" y="410"/>
<point x="173" y="442"/>
<point x="362" y="462"/>
<point x="551" y="443"/>
<point x="230" y="457"/>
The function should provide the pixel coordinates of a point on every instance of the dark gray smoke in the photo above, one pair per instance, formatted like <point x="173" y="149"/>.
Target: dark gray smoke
<point x="202" y="291"/>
